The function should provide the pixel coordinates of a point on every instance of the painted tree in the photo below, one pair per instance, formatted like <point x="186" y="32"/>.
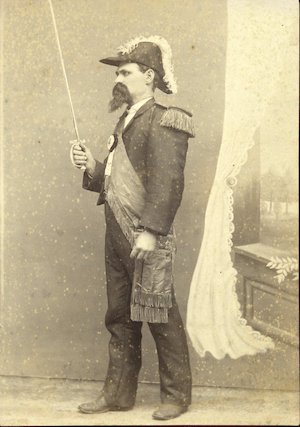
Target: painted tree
<point x="270" y="183"/>
<point x="279" y="187"/>
<point x="277" y="209"/>
<point x="289" y="188"/>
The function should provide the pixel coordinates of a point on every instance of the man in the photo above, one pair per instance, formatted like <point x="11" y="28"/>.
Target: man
<point x="141" y="184"/>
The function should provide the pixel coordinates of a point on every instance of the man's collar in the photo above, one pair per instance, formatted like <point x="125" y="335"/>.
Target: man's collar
<point x="135" y="107"/>
<point x="149" y="102"/>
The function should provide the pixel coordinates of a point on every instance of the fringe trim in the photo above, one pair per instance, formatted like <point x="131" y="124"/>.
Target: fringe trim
<point x="148" y="314"/>
<point x="179" y="120"/>
<point x="151" y="299"/>
<point x="166" y="54"/>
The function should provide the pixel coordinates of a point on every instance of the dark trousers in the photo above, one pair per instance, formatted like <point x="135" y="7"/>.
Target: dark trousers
<point x="125" y="344"/>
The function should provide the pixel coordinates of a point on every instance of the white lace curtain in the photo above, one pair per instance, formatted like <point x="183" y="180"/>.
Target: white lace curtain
<point x="257" y="37"/>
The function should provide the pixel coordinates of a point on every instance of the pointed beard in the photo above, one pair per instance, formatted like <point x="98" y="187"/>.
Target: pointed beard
<point x="121" y="96"/>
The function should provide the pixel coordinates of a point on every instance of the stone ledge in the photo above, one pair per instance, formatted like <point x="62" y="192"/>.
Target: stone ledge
<point x="259" y="251"/>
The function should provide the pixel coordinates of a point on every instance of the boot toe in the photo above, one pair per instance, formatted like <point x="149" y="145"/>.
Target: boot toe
<point x="95" y="406"/>
<point x="167" y="411"/>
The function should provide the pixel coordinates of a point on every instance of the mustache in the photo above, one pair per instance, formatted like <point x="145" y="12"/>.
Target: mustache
<point x="121" y="96"/>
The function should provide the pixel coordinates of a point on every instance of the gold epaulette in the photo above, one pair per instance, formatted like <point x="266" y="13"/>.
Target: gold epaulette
<point x="178" y="119"/>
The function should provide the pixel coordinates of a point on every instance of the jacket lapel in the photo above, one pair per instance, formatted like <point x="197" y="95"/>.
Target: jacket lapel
<point x="141" y="111"/>
<point x="120" y="123"/>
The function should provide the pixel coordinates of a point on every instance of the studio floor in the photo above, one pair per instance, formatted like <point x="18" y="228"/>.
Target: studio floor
<point x="53" y="402"/>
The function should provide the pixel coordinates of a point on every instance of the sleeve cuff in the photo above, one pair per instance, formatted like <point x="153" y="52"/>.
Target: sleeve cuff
<point x="94" y="183"/>
<point x="152" y="231"/>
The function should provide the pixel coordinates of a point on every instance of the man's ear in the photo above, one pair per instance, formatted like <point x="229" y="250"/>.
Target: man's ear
<point x="149" y="76"/>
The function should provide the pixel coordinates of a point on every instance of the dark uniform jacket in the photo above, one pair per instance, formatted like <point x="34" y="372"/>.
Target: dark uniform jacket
<point x="156" y="141"/>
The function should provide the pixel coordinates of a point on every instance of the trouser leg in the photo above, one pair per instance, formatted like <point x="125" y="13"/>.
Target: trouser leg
<point x="173" y="356"/>
<point x="125" y="342"/>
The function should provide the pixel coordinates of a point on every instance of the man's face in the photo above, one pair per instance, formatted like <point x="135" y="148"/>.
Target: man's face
<point x="133" y="78"/>
<point x="131" y="85"/>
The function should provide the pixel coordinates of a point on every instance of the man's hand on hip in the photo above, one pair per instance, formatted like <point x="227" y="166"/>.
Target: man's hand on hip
<point x="144" y="244"/>
<point x="82" y="156"/>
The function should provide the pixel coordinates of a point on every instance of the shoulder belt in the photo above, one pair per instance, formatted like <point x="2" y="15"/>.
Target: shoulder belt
<point x="178" y="119"/>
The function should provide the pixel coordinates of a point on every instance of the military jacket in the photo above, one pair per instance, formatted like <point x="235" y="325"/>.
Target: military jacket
<point x="156" y="142"/>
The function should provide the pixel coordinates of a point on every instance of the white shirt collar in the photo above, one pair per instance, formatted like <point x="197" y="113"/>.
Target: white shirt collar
<point x="133" y="110"/>
<point x="135" y="107"/>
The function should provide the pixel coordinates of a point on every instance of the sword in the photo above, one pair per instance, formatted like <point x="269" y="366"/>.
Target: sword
<point x="78" y="141"/>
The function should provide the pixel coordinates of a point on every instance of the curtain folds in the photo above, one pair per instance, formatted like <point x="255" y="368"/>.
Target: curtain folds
<point x="257" y="36"/>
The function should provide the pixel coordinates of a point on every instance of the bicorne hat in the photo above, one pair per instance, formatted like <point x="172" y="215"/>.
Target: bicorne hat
<point x="153" y="52"/>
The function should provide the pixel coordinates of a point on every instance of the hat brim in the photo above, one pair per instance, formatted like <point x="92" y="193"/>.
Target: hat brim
<point x="116" y="61"/>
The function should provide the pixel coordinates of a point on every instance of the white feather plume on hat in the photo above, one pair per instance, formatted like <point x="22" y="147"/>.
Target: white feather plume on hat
<point x="166" y="54"/>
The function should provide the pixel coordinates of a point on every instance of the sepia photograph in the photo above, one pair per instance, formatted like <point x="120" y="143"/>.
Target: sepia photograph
<point x="149" y="206"/>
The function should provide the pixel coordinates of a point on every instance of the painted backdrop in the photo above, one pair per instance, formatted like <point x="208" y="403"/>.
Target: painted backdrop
<point x="53" y="297"/>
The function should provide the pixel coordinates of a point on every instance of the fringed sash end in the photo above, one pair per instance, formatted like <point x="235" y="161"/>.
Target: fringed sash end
<point x="141" y="313"/>
<point x="163" y="300"/>
<point x="151" y="308"/>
